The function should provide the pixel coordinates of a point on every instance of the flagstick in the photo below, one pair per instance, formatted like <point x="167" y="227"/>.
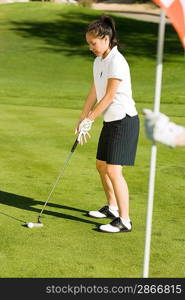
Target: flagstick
<point x="159" y="68"/>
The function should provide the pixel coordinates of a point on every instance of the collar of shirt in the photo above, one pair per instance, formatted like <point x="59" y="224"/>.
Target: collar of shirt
<point x="111" y="53"/>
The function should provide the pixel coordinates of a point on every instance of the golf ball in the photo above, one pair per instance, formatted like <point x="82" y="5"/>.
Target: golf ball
<point x="30" y="225"/>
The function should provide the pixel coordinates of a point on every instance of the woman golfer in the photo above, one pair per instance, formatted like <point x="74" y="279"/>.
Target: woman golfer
<point x="111" y="89"/>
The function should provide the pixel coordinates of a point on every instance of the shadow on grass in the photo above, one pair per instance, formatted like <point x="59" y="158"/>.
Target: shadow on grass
<point x="66" y="35"/>
<point x="27" y="203"/>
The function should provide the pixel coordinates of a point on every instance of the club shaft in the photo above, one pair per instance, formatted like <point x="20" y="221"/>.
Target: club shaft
<point x="59" y="176"/>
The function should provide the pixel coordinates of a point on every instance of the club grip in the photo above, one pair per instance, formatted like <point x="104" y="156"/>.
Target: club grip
<point x="74" y="146"/>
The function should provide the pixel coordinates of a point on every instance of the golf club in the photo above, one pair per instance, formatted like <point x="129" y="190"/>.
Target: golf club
<point x="39" y="224"/>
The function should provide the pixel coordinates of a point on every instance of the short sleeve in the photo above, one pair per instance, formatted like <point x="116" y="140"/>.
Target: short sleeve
<point x="117" y="69"/>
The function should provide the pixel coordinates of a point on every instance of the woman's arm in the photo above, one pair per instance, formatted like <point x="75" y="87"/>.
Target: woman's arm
<point x="112" y="87"/>
<point x="89" y="116"/>
<point x="89" y="103"/>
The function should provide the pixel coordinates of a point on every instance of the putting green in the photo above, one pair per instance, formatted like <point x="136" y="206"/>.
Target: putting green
<point x="45" y="73"/>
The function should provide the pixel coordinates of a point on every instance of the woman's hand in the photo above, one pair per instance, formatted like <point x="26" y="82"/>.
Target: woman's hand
<point x="82" y="129"/>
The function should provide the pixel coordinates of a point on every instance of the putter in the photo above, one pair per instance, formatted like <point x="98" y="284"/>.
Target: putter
<point x="39" y="223"/>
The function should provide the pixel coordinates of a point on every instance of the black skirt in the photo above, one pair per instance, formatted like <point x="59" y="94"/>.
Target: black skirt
<point x="118" y="141"/>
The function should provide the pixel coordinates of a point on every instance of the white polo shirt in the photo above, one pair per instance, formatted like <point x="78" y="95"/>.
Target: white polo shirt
<point x="114" y="65"/>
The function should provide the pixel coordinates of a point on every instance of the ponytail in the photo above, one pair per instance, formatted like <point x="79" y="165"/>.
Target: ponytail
<point x="102" y="27"/>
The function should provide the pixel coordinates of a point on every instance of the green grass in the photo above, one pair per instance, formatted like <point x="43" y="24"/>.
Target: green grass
<point x="45" y="73"/>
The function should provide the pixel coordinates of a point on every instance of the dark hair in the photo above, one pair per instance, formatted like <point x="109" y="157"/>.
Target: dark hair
<point x="102" y="27"/>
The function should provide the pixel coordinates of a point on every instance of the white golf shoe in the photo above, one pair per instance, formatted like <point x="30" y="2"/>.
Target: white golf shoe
<point x="116" y="226"/>
<point x="104" y="212"/>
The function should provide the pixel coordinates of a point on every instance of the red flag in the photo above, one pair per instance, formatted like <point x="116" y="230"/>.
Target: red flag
<point x="175" y="10"/>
